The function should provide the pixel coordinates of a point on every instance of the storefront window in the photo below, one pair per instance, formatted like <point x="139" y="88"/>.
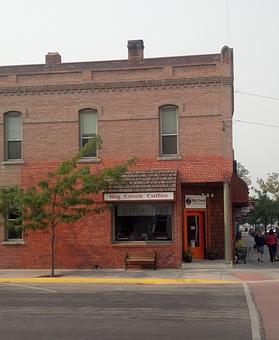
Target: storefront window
<point x="143" y="222"/>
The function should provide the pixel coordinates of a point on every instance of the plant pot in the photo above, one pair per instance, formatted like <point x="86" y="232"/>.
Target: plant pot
<point x="187" y="259"/>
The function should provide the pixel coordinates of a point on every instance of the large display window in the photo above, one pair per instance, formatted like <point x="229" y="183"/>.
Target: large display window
<point x="143" y="222"/>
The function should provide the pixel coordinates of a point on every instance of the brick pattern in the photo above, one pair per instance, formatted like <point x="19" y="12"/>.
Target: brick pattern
<point x="127" y="95"/>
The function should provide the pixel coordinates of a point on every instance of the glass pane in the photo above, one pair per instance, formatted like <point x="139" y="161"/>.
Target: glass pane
<point x="169" y="145"/>
<point x="88" y="122"/>
<point x="14" y="234"/>
<point x="193" y="234"/>
<point x="169" y="120"/>
<point x="13" y="127"/>
<point x="93" y="153"/>
<point x="143" y="223"/>
<point x="14" y="150"/>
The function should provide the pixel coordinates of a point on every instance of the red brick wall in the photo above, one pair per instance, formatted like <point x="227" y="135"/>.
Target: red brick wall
<point x="127" y="96"/>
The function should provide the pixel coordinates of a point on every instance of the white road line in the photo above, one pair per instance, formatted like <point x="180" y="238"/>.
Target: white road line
<point x="30" y="287"/>
<point x="254" y="315"/>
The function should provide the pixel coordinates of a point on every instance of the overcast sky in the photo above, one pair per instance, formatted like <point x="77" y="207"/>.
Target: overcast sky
<point x="99" y="29"/>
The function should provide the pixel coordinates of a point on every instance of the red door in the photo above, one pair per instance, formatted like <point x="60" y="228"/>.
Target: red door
<point x="194" y="233"/>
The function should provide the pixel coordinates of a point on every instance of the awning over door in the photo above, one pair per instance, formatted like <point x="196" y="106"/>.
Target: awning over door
<point x="239" y="190"/>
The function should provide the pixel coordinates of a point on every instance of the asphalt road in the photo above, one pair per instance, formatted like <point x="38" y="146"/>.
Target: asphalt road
<point x="86" y="311"/>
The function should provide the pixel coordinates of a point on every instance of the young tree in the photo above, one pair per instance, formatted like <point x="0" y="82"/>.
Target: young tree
<point x="64" y="196"/>
<point x="271" y="187"/>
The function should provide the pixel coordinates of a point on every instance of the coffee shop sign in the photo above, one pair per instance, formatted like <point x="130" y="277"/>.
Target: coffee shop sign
<point x="195" y="201"/>
<point x="140" y="196"/>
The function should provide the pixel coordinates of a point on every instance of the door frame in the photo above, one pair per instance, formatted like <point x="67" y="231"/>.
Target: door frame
<point x="197" y="253"/>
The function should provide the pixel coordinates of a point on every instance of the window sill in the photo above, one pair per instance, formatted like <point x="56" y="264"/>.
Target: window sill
<point x="13" y="162"/>
<point x="169" y="158"/>
<point x="89" y="160"/>
<point x="141" y="243"/>
<point x="13" y="243"/>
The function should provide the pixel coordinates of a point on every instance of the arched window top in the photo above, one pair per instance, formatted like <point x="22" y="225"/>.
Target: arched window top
<point x="12" y="113"/>
<point x="88" y="110"/>
<point x="170" y="106"/>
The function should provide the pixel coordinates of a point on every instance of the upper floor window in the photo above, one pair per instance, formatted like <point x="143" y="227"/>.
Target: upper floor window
<point x="88" y="128"/>
<point x="168" y="130"/>
<point x="13" y="136"/>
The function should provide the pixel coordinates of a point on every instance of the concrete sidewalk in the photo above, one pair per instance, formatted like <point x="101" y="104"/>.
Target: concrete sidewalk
<point x="214" y="273"/>
<point x="204" y="271"/>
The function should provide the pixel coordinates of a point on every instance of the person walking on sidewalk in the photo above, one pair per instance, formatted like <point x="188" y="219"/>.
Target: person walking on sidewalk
<point x="260" y="242"/>
<point x="271" y="241"/>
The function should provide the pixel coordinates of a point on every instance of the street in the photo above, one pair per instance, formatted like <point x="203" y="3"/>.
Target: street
<point x="74" y="311"/>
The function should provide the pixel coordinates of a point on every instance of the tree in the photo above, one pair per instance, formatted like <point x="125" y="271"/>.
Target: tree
<point x="271" y="186"/>
<point x="264" y="210"/>
<point x="243" y="173"/>
<point x="241" y="170"/>
<point x="66" y="195"/>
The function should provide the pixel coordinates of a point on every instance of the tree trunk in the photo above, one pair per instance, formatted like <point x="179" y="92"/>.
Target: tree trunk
<point x="52" y="250"/>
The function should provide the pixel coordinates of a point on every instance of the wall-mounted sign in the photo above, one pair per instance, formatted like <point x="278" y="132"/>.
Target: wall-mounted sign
<point x="195" y="201"/>
<point x="139" y="196"/>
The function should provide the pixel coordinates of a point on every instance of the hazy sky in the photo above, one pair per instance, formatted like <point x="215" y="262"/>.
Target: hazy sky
<point x="99" y="29"/>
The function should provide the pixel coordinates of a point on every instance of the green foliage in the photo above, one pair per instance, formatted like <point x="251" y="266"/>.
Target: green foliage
<point x="271" y="185"/>
<point x="241" y="170"/>
<point x="243" y="173"/>
<point x="10" y="203"/>
<point x="266" y="201"/>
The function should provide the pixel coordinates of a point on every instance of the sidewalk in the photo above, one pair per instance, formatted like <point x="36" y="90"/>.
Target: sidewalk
<point x="196" y="272"/>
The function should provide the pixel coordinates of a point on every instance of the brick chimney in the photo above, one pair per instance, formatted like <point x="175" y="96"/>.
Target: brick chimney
<point x="135" y="49"/>
<point x="53" y="58"/>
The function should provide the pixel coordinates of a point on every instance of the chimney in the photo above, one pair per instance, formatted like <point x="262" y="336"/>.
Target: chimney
<point x="135" y="49"/>
<point x="53" y="58"/>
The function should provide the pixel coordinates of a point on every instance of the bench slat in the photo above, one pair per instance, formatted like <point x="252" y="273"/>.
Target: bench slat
<point x="140" y="258"/>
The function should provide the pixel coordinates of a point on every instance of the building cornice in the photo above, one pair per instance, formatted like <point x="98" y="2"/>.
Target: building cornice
<point x="114" y="86"/>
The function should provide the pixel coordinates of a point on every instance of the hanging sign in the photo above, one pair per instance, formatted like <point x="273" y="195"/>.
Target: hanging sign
<point x="195" y="201"/>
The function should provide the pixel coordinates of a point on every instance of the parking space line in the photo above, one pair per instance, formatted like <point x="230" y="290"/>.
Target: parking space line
<point x="30" y="287"/>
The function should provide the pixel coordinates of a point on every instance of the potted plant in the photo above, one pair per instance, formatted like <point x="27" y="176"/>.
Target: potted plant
<point x="187" y="255"/>
<point x="212" y="254"/>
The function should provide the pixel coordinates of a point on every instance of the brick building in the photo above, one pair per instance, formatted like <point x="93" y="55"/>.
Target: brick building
<point x="173" y="114"/>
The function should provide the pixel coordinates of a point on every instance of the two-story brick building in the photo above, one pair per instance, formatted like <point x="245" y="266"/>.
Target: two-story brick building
<point x="174" y="114"/>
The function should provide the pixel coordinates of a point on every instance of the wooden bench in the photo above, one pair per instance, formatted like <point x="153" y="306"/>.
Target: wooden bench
<point x="141" y="259"/>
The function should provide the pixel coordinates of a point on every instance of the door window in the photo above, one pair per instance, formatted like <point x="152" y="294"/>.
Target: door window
<point x="193" y="231"/>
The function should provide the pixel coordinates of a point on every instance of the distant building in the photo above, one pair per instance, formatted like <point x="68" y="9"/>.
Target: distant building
<point x="173" y="113"/>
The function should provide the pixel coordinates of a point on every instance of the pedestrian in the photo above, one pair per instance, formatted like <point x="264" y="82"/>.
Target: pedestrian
<point x="271" y="241"/>
<point x="260" y="242"/>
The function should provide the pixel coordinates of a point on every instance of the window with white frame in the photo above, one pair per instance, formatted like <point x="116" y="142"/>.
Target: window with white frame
<point x="168" y="130"/>
<point x="14" y="230"/>
<point x="13" y="136"/>
<point x="88" y="128"/>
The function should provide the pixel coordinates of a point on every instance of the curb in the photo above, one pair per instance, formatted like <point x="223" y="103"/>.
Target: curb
<point x="149" y="281"/>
